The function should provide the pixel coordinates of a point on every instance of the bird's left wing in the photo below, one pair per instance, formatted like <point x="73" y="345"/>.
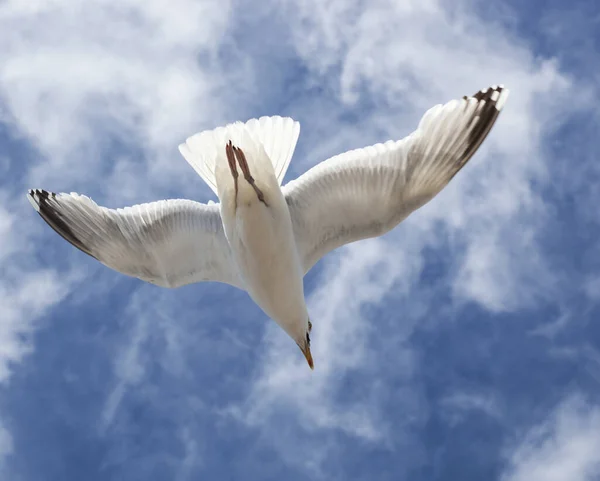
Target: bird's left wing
<point x="169" y="243"/>
<point x="366" y="192"/>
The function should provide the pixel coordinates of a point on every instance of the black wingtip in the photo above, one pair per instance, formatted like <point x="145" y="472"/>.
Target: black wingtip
<point x="494" y="95"/>
<point x="47" y="206"/>
<point x="492" y="101"/>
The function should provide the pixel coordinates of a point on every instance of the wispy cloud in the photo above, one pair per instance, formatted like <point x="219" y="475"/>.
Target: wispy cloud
<point x="563" y="447"/>
<point x="100" y="90"/>
<point x="80" y="91"/>
<point x="100" y="94"/>
<point x="98" y="102"/>
<point x="393" y="61"/>
<point x="461" y="404"/>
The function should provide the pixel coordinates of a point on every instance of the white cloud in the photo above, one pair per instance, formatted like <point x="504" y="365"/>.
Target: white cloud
<point x="129" y="368"/>
<point x="565" y="447"/>
<point x="406" y="56"/>
<point x="399" y="59"/>
<point x="459" y="405"/>
<point x="143" y="74"/>
<point x="76" y="81"/>
<point x="25" y="293"/>
<point x="104" y="92"/>
<point x="551" y="328"/>
<point x="361" y="276"/>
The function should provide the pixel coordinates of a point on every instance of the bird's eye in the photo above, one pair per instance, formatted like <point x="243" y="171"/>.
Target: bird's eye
<point x="307" y="339"/>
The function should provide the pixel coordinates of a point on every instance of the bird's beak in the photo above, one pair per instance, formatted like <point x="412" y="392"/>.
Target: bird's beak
<point x="308" y="356"/>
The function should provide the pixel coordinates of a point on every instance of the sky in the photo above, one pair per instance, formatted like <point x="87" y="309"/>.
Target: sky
<point x="464" y="345"/>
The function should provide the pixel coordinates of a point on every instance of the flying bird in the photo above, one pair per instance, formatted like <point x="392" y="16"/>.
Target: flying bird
<point x="263" y="237"/>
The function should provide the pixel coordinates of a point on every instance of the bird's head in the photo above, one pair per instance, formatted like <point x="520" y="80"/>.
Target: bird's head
<point x="303" y="342"/>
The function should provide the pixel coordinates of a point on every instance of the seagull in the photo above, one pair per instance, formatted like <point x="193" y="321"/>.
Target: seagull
<point x="263" y="237"/>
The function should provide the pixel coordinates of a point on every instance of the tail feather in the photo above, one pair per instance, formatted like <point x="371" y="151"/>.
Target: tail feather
<point x="276" y="135"/>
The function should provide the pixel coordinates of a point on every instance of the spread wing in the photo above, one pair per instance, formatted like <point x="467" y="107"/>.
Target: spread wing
<point x="169" y="243"/>
<point x="366" y="192"/>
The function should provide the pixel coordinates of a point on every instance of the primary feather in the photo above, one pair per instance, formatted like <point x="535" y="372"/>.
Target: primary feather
<point x="366" y="192"/>
<point x="169" y="243"/>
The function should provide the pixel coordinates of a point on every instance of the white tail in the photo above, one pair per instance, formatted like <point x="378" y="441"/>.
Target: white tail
<point x="277" y="135"/>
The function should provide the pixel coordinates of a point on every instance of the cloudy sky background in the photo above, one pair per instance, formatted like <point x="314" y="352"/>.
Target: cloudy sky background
<point x="464" y="345"/>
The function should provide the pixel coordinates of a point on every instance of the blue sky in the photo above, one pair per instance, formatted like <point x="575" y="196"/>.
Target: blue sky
<point x="464" y="345"/>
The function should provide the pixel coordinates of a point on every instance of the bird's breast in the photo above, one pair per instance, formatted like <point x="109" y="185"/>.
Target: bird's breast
<point x="264" y="249"/>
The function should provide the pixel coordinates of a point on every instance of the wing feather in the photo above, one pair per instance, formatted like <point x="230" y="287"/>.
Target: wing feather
<point x="169" y="243"/>
<point x="366" y="192"/>
<point x="277" y="135"/>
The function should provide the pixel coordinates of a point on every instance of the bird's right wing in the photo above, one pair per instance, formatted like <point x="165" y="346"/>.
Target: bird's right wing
<point x="169" y="243"/>
<point x="366" y="192"/>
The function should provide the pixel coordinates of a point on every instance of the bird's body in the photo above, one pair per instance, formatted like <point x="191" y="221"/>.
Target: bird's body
<point x="262" y="237"/>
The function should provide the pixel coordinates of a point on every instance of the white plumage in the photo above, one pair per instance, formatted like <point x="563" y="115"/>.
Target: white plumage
<point x="277" y="136"/>
<point x="169" y="243"/>
<point x="262" y="237"/>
